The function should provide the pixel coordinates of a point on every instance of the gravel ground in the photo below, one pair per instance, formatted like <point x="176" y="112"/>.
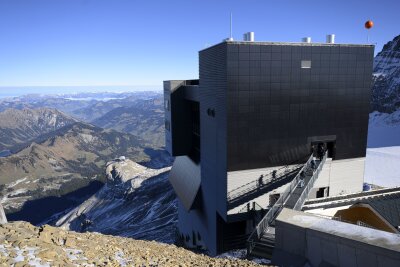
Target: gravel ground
<point x="22" y="244"/>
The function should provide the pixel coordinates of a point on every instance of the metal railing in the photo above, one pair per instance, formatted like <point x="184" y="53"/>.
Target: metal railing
<point x="304" y="195"/>
<point x="255" y="206"/>
<point x="264" y="181"/>
<point x="372" y="193"/>
<point x="264" y="224"/>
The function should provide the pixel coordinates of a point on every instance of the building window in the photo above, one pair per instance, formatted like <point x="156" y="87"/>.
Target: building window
<point x="306" y="64"/>
<point x="195" y="131"/>
<point x="166" y="103"/>
<point x="167" y="125"/>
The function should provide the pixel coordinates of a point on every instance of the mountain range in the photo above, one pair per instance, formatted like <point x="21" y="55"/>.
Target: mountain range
<point x="137" y="113"/>
<point x="63" y="161"/>
<point x="144" y="119"/>
<point x="22" y="126"/>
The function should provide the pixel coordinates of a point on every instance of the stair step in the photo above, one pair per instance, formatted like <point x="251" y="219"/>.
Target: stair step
<point x="267" y="242"/>
<point x="265" y="245"/>
<point x="264" y="252"/>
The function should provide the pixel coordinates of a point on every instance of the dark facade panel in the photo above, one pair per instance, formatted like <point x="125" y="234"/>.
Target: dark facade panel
<point x="178" y="96"/>
<point x="185" y="177"/>
<point x="275" y="105"/>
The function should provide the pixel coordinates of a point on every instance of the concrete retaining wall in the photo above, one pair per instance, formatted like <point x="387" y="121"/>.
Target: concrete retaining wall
<point x="326" y="242"/>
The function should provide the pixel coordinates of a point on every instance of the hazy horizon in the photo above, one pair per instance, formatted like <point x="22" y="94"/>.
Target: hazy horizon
<point x="15" y="91"/>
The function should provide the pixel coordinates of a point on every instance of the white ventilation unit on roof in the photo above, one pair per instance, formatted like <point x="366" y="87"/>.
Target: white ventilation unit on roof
<point x="330" y="38"/>
<point x="248" y="37"/>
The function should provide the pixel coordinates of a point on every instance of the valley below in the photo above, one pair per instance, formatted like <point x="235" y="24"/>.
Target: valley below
<point x="51" y="161"/>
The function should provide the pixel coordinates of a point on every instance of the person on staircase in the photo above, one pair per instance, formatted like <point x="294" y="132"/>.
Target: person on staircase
<point x="321" y="151"/>
<point x="260" y="180"/>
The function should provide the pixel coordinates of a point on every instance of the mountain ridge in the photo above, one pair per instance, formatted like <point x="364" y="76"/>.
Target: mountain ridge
<point x="66" y="160"/>
<point x="386" y="78"/>
<point x="21" y="126"/>
<point x="135" y="202"/>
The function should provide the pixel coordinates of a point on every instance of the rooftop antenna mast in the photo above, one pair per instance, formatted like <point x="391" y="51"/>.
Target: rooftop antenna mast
<point x="230" y="28"/>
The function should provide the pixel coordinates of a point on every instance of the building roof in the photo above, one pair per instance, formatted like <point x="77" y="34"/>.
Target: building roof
<point x="340" y="229"/>
<point x="239" y="42"/>
<point x="385" y="201"/>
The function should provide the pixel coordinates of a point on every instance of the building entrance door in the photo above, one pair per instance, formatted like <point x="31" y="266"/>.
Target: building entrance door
<point x="329" y="146"/>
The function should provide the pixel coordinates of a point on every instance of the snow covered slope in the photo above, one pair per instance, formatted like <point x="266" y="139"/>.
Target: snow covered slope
<point x="136" y="202"/>
<point x="384" y="129"/>
<point x="382" y="165"/>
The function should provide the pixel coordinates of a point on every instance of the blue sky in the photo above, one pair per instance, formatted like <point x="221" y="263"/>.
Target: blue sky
<point x="115" y="42"/>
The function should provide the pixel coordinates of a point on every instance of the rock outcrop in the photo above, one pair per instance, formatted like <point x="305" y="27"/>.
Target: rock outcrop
<point x="135" y="202"/>
<point x="22" y="244"/>
<point x="3" y="218"/>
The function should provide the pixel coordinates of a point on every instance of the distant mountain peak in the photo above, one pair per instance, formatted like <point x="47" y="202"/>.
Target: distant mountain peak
<point x="19" y="126"/>
<point x="386" y="89"/>
<point x="391" y="46"/>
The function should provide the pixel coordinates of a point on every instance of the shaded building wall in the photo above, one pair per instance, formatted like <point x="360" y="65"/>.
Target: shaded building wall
<point x="207" y="219"/>
<point x="275" y="107"/>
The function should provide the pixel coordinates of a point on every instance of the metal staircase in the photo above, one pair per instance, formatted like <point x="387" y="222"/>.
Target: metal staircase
<point x="262" y="241"/>
<point x="261" y="185"/>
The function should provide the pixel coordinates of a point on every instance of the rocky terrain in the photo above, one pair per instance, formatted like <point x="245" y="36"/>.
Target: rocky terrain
<point x="22" y="244"/>
<point x="135" y="202"/>
<point x="386" y="89"/>
<point x="21" y="126"/>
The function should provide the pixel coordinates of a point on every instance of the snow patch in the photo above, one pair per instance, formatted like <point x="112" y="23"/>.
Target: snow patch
<point x="342" y="229"/>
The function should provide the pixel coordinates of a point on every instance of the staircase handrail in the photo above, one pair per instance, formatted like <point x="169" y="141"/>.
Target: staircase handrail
<point x="304" y="195"/>
<point x="284" y="170"/>
<point x="255" y="185"/>
<point x="256" y="207"/>
<point x="275" y="209"/>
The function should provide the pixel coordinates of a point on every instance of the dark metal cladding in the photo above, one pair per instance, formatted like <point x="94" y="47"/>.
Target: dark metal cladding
<point x="275" y="107"/>
<point x="185" y="179"/>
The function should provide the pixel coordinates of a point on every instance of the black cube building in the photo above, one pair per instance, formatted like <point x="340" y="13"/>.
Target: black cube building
<point x="257" y="106"/>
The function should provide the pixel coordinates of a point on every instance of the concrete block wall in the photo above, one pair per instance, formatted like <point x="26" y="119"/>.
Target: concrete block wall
<point x="322" y="241"/>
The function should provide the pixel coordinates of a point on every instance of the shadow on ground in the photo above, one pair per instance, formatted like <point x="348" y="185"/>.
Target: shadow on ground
<point x="38" y="210"/>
